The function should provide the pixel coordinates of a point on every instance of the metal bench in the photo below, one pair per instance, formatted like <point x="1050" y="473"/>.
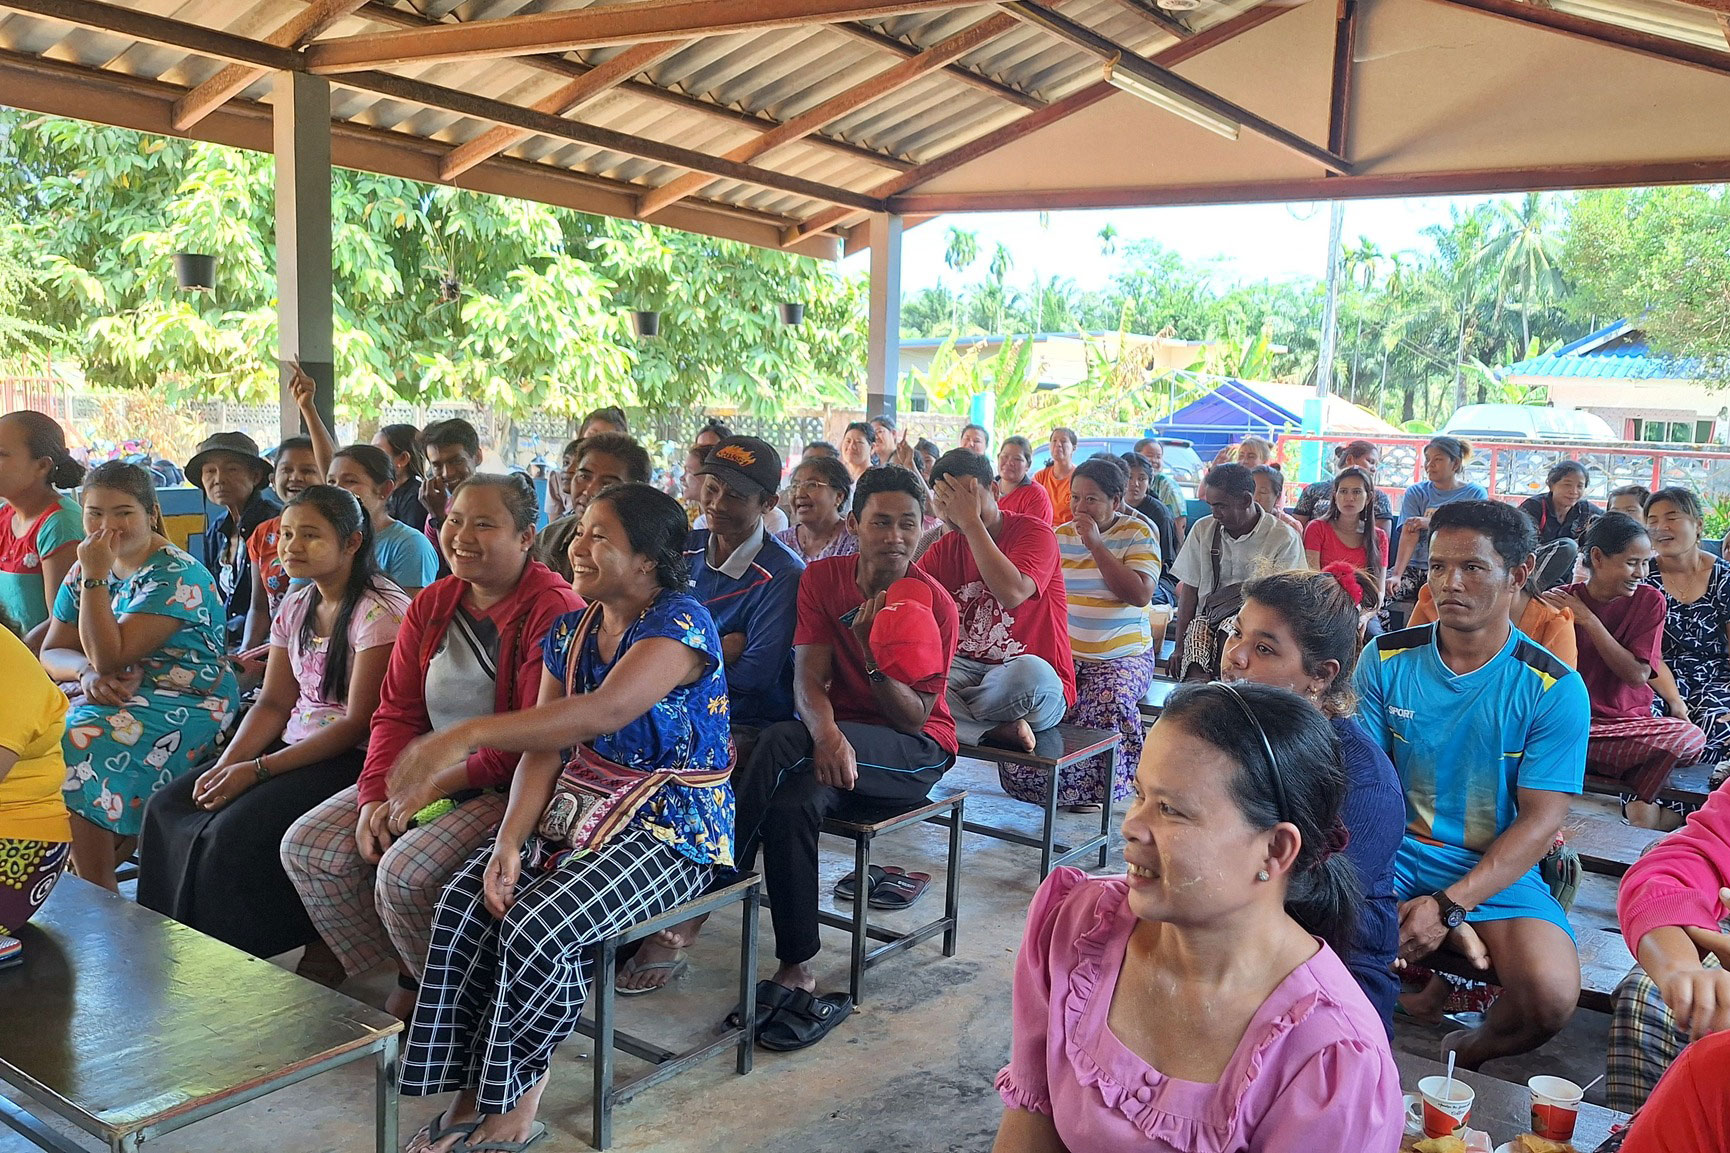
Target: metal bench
<point x="668" y="1063"/>
<point x="1153" y="703"/>
<point x="1055" y="749"/>
<point x="1688" y="784"/>
<point x="863" y="822"/>
<point x="131" y="1026"/>
<point x="1605" y="844"/>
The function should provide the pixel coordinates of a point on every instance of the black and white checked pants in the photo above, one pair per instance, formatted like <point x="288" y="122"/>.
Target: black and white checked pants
<point x="497" y="996"/>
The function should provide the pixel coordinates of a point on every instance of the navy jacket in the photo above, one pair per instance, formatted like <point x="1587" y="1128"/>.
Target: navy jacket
<point x="760" y="598"/>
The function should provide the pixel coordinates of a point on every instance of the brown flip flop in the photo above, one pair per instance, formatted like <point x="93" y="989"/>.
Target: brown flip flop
<point x="898" y="890"/>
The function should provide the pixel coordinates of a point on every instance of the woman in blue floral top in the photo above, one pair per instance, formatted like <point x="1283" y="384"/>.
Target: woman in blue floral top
<point x="636" y="685"/>
<point x="137" y="636"/>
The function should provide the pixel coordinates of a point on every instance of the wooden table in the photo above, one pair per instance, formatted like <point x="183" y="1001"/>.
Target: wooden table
<point x="130" y="1025"/>
<point x="1503" y="1109"/>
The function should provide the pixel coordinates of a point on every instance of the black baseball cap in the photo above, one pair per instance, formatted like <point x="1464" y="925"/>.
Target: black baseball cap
<point x="745" y="463"/>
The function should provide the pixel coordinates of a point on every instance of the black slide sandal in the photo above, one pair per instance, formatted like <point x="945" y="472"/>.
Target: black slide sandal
<point x="847" y="888"/>
<point x="899" y="890"/>
<point x="805" y="1020"/>
<point x="771" y="996"/>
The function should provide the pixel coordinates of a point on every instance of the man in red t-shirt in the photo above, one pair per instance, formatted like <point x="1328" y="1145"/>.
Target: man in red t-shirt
<point x="860" y="732"/>
<point x="1013" y="673"/>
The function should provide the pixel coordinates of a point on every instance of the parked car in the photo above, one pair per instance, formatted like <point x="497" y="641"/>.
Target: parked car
<point x="1531" y="422"/>
<point x="1181" y="462"/>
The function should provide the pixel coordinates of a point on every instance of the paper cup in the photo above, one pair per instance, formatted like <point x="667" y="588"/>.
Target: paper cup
<point x="1436" y="1111"/>
<point x="1555" y="1107"/>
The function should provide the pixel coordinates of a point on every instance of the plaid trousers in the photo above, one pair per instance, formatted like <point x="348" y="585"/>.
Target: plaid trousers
<point x="371" y="915"/>
<point x="1644" y="1040"/>
<point x="499" y="996"/>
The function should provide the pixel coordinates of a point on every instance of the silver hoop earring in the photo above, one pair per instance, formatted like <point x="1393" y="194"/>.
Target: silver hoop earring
<point x="1261" y="876"/>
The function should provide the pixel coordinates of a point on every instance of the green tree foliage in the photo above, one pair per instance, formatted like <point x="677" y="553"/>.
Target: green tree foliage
<point x="1661" y="255"/>
<point x="439" y="293"/>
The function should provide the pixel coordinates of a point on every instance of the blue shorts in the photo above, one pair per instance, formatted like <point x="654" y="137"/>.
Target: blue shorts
<point x="1421" y="868"/>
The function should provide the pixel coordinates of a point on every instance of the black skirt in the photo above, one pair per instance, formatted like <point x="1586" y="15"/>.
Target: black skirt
<point x="221" y="873"/>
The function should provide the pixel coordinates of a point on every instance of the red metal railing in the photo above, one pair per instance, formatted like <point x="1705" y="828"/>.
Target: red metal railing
<point x="1514" y="470"/>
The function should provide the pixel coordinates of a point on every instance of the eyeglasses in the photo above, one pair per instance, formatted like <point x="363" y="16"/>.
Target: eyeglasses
<point x="809" y="485"/>
<point x="1266" y="747"/>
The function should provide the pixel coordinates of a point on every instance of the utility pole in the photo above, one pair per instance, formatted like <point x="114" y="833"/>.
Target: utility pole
<point x="1331" y="309"/>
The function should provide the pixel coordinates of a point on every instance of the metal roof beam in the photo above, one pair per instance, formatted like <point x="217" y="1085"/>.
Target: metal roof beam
<point x="466" y="104"/>
<point x="601" y="79"/>
<point x="1158" y="17"/>
<point x="1105" y="48"/>
<point x="1610" y="35"/>
<point x="236" y="78"/>
<point x="570" y="69"/>
<point x="595" y="27"/>
<point x="151" y="29"/>
<point x="1075" y="102"/>
<point x="961" y="72"/>
<point x="838" y="106"/>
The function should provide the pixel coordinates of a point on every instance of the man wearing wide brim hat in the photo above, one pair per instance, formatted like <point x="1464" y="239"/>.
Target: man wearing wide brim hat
<point x="229" y="471"/>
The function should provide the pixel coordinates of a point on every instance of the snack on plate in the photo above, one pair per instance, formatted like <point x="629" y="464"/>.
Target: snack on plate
<point x="1449" y="1144"/>
<point x="1532" y="1143"/>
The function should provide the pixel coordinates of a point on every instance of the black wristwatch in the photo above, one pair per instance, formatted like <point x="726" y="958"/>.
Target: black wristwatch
<point x="874" y="674"/>
<point x="1453" y="914"/>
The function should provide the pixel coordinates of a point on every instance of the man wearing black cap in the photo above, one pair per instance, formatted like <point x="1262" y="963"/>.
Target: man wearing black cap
<point x="747" y="578"/>
<point x="231" y="474"/>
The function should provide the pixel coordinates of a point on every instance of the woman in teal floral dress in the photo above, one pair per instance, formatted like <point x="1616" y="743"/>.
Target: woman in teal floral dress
<point x="137" y="640"/>
<point x="635" y="685"/>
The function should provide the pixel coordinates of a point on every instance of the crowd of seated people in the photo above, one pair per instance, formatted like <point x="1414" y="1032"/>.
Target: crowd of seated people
<point x="787" y="645"/>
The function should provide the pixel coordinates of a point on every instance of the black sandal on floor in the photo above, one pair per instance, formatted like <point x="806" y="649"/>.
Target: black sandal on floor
<point x="899" y="890"/>
<point x="771" y="996"/>
<point x="847" y="888"/>
<point x="804" y="1020"/>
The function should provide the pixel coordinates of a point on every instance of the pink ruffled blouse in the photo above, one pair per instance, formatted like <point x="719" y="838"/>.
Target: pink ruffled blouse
<point x="1313" y="1070"/>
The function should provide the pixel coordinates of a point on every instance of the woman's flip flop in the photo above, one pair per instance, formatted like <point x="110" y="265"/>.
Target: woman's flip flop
<point x="674" y="969"/>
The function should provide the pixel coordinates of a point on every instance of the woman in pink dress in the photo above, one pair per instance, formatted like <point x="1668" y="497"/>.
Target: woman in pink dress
<point x="1197" y="1004"/>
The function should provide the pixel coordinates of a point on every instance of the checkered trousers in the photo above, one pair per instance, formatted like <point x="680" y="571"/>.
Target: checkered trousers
<point x="370" y="915"/>
<point x="498" y="996"/>
<point x="1644" y="1040"/>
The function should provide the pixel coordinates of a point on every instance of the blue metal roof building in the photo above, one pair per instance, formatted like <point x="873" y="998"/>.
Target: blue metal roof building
<point x="1618" y="352"/>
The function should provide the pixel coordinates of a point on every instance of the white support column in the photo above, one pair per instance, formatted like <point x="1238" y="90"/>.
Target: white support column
<point x="301" y="115"/>
<point x="884" y="363"/>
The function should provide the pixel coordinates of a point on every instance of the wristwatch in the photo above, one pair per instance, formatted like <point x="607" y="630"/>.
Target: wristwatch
<point x="1453" y="914"/>
<point x="874" y="674"/>
<point x="92" y="583"/>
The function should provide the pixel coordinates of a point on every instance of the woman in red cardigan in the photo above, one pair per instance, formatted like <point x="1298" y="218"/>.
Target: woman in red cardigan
<point x="370" y="865"/>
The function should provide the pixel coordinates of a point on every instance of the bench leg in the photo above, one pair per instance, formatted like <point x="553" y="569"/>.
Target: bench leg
<point x="1049" y="835"/>
<point x="952" y="883"/>
<point x="1105" y="803"/>
<point x="606" y="960"/>
<point x="861" y="908"/>
<point x="748" y="981"/>
<point x="385" y="1094"/>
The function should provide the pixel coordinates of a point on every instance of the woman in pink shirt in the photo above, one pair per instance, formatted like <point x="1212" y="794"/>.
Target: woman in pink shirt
<point x="1196" y="1005"/>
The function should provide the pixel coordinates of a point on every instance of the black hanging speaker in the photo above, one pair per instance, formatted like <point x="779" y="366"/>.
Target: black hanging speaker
<point x="647" y="322"/>
<point x="195" y="271"/>
<point x="791" y="313"/>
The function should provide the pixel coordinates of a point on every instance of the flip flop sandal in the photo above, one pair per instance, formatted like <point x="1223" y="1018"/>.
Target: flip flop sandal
<point x="674" y="969"/>
<point x="536" y="1132"/>
<point x="11" y="952"/>
<point x="847" y="888"/>
<point x="899" y="890"/>
<point x="805" y="1020"/>
<point x="436" y="1130"/>
<point x="771" y="996"/>
<point x="1087" y="808"/>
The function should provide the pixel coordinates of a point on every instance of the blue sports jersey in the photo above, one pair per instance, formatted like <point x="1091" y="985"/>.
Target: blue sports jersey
<point x="1464" y="744"/>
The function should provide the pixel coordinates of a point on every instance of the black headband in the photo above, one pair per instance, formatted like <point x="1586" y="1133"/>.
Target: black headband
<point x="1283" y="806"/>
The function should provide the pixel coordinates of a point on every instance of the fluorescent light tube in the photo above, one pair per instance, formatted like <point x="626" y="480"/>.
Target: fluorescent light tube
<point x="1170" y="101"/>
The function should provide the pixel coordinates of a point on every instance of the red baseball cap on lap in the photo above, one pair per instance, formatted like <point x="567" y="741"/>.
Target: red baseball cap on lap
<point x="904" y="636"/>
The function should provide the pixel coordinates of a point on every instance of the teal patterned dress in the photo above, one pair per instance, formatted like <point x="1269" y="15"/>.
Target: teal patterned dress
<point x="687" y="729"/>
<point x="117" y="757"/>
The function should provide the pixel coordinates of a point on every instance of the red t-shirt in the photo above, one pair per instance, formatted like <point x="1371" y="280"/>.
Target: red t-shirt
<point x="1637" y="624"/>
<point x="1029" y="500"/>
<point x="261" y="545"/>
<point x="827" y="592"/>
<point x="1689" y="1111"/>
<point x="1038" y="625"/>
<point x="1320" y="537"/>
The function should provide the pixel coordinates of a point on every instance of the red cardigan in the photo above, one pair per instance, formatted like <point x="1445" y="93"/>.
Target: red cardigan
<point x="523" y="618"/>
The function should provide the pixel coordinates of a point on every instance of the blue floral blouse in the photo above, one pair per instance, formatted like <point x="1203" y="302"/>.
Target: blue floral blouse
<point x="687" y="729"/>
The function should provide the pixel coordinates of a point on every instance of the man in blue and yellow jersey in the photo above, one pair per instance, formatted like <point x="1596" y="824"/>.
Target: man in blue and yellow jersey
<point x="1488" y="731"/>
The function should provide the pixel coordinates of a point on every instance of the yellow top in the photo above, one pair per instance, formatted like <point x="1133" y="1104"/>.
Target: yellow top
<point x="31" y="725"/>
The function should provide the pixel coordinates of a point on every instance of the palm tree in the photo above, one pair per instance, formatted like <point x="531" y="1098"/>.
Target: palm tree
<point x="1001" y="265"/>
<point x="1108" y="239"/>
<point x="960" y="253"/>
<point x="1525" y="254"/>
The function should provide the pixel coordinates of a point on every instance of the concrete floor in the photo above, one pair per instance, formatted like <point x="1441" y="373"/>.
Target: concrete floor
<point x="911" y="1072"/>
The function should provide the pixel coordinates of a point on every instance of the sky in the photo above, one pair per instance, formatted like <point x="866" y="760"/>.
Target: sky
<point x="1247" y="243"/>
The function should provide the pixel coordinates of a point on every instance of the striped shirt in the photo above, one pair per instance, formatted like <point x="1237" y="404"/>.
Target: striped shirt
<point x="1101" y="626"/>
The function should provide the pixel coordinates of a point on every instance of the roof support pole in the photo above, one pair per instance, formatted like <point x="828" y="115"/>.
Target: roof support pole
<point x="301" y="122"/>
<point x="883" y="362"/>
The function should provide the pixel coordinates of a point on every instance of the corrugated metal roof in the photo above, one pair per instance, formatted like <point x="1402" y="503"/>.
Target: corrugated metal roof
<point x="712" y="95"/>
<point x="1616" y="352"/>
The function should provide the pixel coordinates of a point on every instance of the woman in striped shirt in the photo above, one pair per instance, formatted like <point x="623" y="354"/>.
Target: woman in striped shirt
<point x="1111" y="567"/>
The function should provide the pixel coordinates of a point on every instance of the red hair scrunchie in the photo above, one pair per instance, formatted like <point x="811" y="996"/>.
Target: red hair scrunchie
<point x="1347" y="574"/>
